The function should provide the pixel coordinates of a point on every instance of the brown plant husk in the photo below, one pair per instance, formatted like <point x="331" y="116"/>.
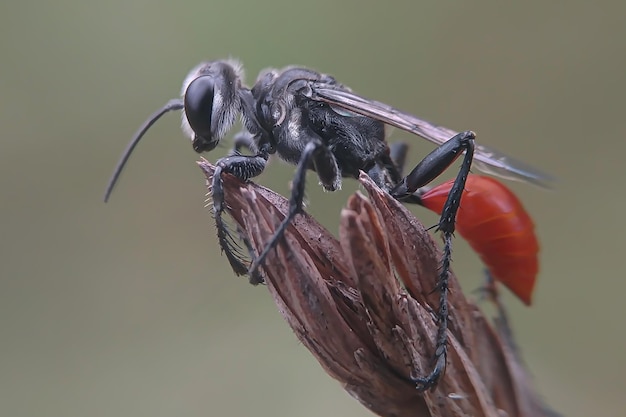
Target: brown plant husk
<point x="363" y="305"/>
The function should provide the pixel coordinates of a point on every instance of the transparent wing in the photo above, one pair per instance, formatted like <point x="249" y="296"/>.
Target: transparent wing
<point x="486" y="160"/>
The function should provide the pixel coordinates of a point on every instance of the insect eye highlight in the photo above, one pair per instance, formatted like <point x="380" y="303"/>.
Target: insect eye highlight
<point x="199" y="105"/>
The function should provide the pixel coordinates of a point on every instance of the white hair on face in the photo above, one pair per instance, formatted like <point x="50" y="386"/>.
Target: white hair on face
<point x="229" y="113"/>
<point x="227" y="117"/>
<point x="218" y="99"/>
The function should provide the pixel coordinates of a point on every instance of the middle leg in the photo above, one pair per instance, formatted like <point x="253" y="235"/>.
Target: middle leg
<point x="326" y="167"/>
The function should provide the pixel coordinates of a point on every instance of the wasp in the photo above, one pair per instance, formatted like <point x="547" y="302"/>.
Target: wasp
<point x="314" y="122"/>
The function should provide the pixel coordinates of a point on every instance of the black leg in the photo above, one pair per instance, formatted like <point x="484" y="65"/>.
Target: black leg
<point x="427" y="170"/>
<point x="326" y="167"/>
<point x="387" y="171"/>
<point x="244" y="140"/>
<point x="243" y="167"/>
<point x="503" y="324"/>
<point x="397" y="152"/>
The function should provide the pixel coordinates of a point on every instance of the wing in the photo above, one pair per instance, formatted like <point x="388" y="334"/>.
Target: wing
<point x="485" y="159"/>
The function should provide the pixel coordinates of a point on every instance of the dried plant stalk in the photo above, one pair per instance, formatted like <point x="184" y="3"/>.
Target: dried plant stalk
<point x="363" y="305"/>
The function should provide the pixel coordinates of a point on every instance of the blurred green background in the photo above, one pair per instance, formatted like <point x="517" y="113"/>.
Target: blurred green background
<point x="128" y="309"/>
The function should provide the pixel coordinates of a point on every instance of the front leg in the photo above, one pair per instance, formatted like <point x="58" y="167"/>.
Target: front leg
<point x="428" y="169"/>
<point x="327" y="170"/>
<point x="243" y="167"/>
<point x="244" y="140"/>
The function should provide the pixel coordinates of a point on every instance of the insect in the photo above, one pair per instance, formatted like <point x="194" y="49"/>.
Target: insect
<point x="316" y="123"/>
<point x="494" y="222"/>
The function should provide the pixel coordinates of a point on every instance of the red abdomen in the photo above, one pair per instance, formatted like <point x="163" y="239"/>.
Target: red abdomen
<point x="494" y="222"/>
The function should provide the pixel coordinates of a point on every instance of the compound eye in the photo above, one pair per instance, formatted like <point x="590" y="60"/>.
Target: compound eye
<point x="199" y="105"/>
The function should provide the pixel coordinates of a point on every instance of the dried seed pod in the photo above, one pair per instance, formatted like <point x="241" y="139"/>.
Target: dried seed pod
<point x="362" y="304"/>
